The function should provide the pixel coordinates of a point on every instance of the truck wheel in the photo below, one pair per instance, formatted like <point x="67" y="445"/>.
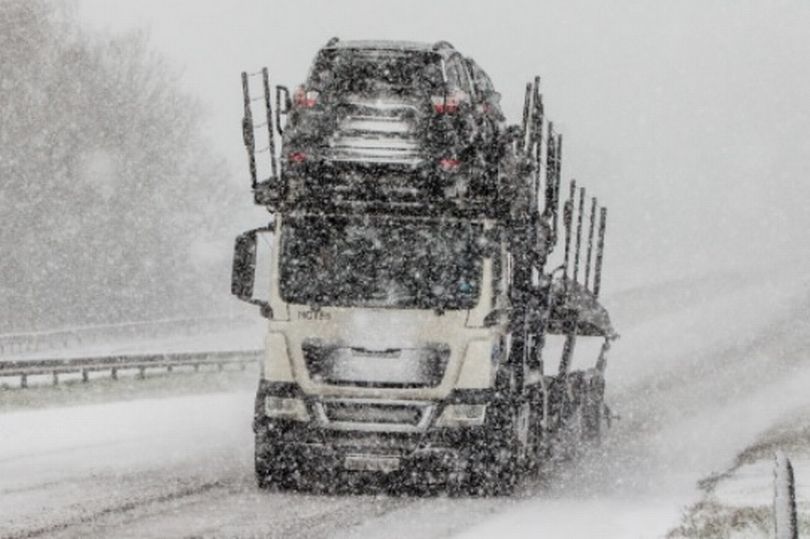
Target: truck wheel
<point x="494" y="475"/>
<point x="592" y="410"/>
<point x="498" y="467"/>
<point x="570" y="423"/>
<point x="269" y="471"/>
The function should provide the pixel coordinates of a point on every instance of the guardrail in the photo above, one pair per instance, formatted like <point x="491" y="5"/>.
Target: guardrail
<point x="17" y="343"/>
<point x="140" y="362"/>
<point x="784" y="499"/>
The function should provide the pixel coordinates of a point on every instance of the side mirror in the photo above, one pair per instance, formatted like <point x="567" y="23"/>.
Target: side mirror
<point x="243" y="276"/>
<point x="282" y="97"/>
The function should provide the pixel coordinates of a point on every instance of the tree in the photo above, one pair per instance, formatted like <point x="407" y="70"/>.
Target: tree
<point x="105" y="176"/>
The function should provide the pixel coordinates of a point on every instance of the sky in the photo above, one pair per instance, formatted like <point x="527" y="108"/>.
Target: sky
<point x="688" y="119"/>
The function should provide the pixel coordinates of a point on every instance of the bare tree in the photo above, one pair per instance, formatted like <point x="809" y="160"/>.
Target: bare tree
<point x="104" y="176"/>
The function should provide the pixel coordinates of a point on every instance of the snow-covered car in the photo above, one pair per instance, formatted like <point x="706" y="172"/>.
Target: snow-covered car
<point x="397" y="115"/>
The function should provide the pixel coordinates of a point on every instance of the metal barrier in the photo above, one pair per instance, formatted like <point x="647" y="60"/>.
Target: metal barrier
<point x="141" y="362"/>
<point x="784" y="499"/>
<point x="18" y="343"/>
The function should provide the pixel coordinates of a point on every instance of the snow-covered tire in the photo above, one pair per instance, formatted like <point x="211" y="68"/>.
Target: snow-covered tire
<point x="592" y="410"/>
<point x="269" y="471"/>
<point x="500" y="465"/>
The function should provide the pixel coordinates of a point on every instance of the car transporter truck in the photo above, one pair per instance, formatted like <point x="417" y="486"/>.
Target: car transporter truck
<point x="409" y="294"/>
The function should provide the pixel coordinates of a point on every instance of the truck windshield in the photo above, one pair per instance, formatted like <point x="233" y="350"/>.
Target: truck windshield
<point x="349" y="71"/>
<point x="387" y="263"/>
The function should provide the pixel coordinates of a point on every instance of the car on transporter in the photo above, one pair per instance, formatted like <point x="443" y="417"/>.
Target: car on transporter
<point x="401" y="116"/>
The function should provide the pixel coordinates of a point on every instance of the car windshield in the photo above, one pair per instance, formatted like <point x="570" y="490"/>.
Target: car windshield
<point x="352" y="71"/>
<point x="385" y="263"/>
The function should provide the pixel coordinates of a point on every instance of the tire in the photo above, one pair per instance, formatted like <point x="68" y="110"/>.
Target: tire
<point x="269" y="471"/>
<point x="592" y="410"/>
<point x="568" y="437"/>
<point x="493" y="476"/>
<point x="503" y="461"/>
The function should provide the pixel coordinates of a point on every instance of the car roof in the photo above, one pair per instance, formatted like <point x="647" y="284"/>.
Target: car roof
<point x="415" y="46"/>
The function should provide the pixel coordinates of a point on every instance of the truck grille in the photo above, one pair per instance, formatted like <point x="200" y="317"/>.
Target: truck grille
<point x="373" y="415"/>
<point x="392" y="368"/>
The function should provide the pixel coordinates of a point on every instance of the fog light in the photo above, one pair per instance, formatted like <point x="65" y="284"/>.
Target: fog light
<point x="462" y="415"/>
<point x="283" y="408"/>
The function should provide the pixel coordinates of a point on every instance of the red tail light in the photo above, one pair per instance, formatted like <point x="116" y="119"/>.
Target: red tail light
<point x="304" y="99"/>
<point x="448" y="164"/>
<point x="445" y="106"/>
<point x="451" y="103"/>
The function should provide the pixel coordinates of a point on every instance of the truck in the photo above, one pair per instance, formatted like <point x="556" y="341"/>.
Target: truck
<point x="406" y="330"/>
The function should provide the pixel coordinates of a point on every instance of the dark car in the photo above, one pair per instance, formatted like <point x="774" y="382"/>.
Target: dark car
<point x="392" y="115"/>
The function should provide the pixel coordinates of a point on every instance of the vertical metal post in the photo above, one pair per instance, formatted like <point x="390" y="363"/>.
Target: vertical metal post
<point x="600" y="251"/>
<point x="247" y="130"/>
<point x="114" y="373"/>
<point x="85" y="376"/>
<point x="590" y="242"/>
<point x="55" y="378"/>
<point x="539" y="110"/>
<point x="527" y="103"/>
<point x="549" y="209"/>
<point x="538" y="148"/>
<point x="784" y="499"/>
<point x="537" y="133"/>
<point x="579" y="231"/>
<point x="601" y="361"/>
<point x="568" y="350"/>
<point x="568" y="211"/>
<point x="23" y="381"/>
<point x="558" y="179"/>
<point x="272" y="138"/>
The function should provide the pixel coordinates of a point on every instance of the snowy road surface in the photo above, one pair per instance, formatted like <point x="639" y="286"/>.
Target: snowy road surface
<point x="695" y="378"/>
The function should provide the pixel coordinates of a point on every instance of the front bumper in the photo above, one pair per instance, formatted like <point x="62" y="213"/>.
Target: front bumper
<point x="328" y="448"/>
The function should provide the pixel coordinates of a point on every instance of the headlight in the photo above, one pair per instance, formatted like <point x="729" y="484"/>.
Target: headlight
<point x="285" y="408"/>
<point x="462" y="415"/>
